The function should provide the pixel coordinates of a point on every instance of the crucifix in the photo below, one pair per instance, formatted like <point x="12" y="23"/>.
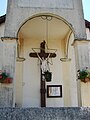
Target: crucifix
<point x="43" y="56"/>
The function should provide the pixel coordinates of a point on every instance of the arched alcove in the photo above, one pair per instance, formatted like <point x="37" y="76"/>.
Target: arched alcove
<point x="59" y="36"/>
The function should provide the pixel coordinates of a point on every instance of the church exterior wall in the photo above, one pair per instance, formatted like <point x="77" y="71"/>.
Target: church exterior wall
<point x="19" y="11"/>
<point x="88" y="33"/>
<point x="7" y="62"/>
<point x="58" y="78"/>
<point x="84" y="86"/>
<point x="2" y="27"/>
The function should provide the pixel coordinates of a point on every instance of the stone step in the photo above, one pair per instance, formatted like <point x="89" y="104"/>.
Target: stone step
<point x="62" y="113"/>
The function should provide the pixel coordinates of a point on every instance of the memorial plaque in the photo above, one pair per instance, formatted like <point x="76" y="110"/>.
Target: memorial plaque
<point x="54" y="91"/>
<point x="46" y="3"/>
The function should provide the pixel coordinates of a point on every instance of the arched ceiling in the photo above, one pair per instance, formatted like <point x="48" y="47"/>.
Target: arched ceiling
<point x="36" y="28"/>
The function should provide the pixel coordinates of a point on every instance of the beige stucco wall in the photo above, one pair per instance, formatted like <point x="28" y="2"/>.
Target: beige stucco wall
<point x="72" y="74"/>
<point x="31" y="76"/>
<point x="17" y="14"/>
<point x="7" y="62"/>
<point x="67" y="99"/>
<point x="24" y="82"/>
<point x="63" y="73"/>
<point x="2" y="26"/>
<point x="85" y="87"/>
<point x="88" y="33"/>
<point x="19" y="84"/>
<point x="27" y="72"/>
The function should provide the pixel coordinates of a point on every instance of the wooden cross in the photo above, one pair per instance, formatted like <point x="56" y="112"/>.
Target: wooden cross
<point x="44" y="55"/>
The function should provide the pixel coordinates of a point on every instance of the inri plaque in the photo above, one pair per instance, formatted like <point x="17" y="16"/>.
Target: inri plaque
<point x="46" y="3"/>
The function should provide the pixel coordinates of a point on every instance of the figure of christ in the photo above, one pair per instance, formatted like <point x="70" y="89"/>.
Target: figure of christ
<point x="44" y="61"/>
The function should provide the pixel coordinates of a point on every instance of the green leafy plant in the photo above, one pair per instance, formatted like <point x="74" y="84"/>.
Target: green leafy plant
<point x="84" y="74"/>
<point x="4" y="77"/>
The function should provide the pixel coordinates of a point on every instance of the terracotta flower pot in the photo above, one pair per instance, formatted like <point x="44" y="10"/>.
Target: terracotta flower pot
<point x="7" y="81"/>
<point x="85" y="80"/>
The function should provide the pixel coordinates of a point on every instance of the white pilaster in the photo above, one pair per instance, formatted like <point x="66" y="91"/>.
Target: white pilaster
<point x="7" y="98"/>
<point x="82" y="61"/>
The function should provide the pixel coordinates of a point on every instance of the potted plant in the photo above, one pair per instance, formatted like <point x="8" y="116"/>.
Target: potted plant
<point x="4" y="77"/>
<point x="84" y="75"/>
